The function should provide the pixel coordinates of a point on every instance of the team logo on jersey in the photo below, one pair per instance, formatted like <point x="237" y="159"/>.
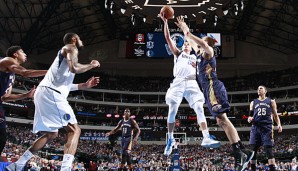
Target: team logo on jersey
<point x="66" y="116"/>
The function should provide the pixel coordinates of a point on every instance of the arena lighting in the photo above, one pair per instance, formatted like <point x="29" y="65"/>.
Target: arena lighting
<point x="117" y="116"/>
<point x="122" y="10"/>
<point x="111" y="7"/>
<point x="109" y="115"/>
<point x="236" y="9"/>
<point x="132" y="116"/>
<point x="215" y="20"/>
<point x="132" y="18"/>
<point x="242" y="5"/>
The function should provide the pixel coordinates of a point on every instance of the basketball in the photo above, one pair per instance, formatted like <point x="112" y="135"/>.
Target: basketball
<point x="168" y="11"/>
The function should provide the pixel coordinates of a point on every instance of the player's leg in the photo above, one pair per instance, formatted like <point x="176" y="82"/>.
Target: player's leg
<point x="267" y="139"/>
<point x="35" y="147"/>
<point x="217" y="94"/>
<point x="196" y="100"/>
<point x="128" y="153"/>
<point x="3" y="139"/>
<point x="253" y="161"/>
<point x="70" y="148"/>
<point x="173" y="99"/>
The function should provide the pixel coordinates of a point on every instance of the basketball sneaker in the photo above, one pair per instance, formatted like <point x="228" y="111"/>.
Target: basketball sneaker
<point x="14" y="167"/>
<point x="169" y="147"/>
<point x="209" y="142"/>
<point x="242" y="160"/>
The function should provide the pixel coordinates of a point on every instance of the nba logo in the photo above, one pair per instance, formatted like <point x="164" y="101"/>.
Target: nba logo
<point x="140" y="38"/>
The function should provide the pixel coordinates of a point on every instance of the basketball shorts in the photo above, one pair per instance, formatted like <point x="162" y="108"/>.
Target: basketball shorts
<point x="52" y="111"/>
<point x="189" y="89"/>
<point x="126" y="144"/>
<point x="261" y="135"/>
<point x="215" y="93"/>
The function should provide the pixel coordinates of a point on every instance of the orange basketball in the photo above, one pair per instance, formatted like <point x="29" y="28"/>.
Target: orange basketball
<point x="168" y="11"/>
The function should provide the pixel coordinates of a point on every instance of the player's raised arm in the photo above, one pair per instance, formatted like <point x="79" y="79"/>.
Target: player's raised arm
<point x="172" y="45"/>
<point x="72" y="60"/>
<point x="200" y="42"/>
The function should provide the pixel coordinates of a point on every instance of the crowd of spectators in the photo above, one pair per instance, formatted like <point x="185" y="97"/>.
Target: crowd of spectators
<point x="101" y="155"/>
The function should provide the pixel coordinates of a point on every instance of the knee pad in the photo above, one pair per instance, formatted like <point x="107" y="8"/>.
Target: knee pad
<point x="199" y="109"/>
<point x="269" y="152"/>
<point x="173" y="109"/>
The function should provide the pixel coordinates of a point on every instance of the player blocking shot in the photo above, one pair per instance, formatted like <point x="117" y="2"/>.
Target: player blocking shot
<point x="184" y="85"/>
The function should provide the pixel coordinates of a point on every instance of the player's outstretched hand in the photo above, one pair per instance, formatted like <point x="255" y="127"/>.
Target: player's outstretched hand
<point x="135" y="141"/>
<point x="162" y="16"/>
<point x="108" y="134"/>
<point x="95" y="63"/>
<point x="30" y="94"/>
<point x="93" y="81"/>
<point x="250" y="119"/>
<point x="181" y="24"/>
<point x="279" y="128"/>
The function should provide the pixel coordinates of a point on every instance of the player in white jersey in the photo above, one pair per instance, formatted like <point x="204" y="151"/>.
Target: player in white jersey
<point x="52" y="110"/>
<point x="184" y="85"/>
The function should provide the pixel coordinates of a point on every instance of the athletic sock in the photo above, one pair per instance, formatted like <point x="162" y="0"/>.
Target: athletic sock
<point x="24" y="158"/>
<point x="67" y="162"/>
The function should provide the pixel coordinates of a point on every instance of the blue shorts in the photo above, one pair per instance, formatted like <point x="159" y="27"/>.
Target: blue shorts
<point x="261" y="135"/>
<point x="126" y="144"/>
<point x="215" y="93"/>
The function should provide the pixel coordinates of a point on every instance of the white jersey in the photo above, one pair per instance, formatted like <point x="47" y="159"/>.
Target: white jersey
<point x="59" y="76"/>
<point x="183" y="68"/>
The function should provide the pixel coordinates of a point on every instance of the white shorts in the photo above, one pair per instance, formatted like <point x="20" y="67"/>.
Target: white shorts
<point x="189" y="89"/>
<point x="52" y="111"/>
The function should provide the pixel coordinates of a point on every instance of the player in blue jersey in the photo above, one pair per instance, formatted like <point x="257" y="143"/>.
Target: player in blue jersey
<point x="9" y="66"/>
<point x="215" y="94"/>
<point x="262" y="110"/>
<point x="127" y="125"/>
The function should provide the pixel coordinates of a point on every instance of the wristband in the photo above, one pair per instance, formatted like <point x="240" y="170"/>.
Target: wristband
<point x="74" y="87"/>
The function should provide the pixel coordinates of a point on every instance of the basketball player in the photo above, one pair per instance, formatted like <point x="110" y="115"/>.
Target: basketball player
<point x="9" y="66"/>
<point x="127" y="126"/>
<point x="261" y="112"/>
<point x="215" y="94"/>
<point x="52" y="110"/>
<point x="184" y="85"/>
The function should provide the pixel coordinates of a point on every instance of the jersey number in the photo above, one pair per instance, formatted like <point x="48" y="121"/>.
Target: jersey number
<point x="261" y="111"/>
<point x="124" y="130"/>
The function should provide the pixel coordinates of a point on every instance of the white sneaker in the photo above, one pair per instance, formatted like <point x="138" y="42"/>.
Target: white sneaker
<point x="169" y="147"/>
<point x="14" y="167"/>
<point x="209" y="142"/>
